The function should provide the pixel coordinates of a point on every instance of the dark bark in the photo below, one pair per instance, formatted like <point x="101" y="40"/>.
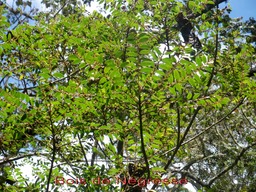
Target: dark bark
<point x="186" y="28"/>
<point x="252" y="72"/>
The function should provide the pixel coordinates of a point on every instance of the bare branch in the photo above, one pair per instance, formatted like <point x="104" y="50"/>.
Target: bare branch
<point x="217" y="122"/>
<point x="16" y="11"/>
<point x="209" y="127"/>
<point x="232" y="165"/>
<point x="9" y="160"/>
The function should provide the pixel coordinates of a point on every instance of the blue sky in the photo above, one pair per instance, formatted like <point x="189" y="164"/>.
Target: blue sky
<point x="244" y="8"/>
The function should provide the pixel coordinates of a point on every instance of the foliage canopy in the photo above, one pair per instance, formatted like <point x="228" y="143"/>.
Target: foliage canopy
<point x="90" y="95"/>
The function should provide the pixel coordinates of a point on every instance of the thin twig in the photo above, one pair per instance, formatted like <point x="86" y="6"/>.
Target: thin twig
<point x="16" y="11"/>
<point x="9" y="160"/>
<point x="217" y="122"/>
<point x="82" y="148"/>
<point x="209" y="127"/>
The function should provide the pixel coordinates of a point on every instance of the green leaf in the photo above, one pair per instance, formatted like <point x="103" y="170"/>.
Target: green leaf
<point x="176" y="75"/>
<point x="170" y="78"/>
<point x="178" y="87"/>
<point x="103" y="80"/>
<point x="169" y="61"/>
<point x="192" y="82"/>
<point x="198" y="61"/>
<point x="189" y="95"/>
<point x="196" y="95"/>
<point x="225" y="101"/>
<point x="143" y="38"/>
<point x="191" y="5"/>
<point x="144" y="52"/>
<point x="74" y="59"/>
<point x="172" y="90"/>
<point x="148" y="63"/>
<point x="147" y="70"/>
<point x="82" y="65"/>
<point x="58" y="75"/>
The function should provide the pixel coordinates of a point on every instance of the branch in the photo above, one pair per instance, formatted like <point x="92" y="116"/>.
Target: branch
<point x="102" y="149"/>
<point x="82" y="148"/>
<point x="178" y="125"/>
<point x="57" y="80"/>
<point x="190" y="124"/>
<point x="54" y="150"/>
<point x="209" y="127"/>
<point x="141" y="134"/>
<point x="16" y="11"/>
<point x="69" y="163"/>
<point x="200" y="158"/>
<point x="215" y="53"/>
<point x="232" y="165"/>
<point x="59" y="10"/>
<point x="94" y="152"/>
<point x="9" y="160"/>
<point x="197" y="180"/>
<point x="248" y="120"/>
<point x="182" y="139"/>
<point x="206" y="129"/>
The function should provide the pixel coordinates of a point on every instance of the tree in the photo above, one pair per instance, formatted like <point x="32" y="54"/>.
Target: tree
<point x="98" y="99"/>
